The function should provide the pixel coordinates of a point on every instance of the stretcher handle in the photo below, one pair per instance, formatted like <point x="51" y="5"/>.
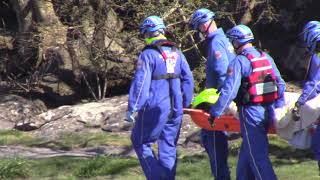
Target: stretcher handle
<point x="189" y="111"/>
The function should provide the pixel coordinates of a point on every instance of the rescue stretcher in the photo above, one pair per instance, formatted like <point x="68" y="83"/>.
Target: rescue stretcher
<point x="223" y="123"/>
<point x="283" y="124"/>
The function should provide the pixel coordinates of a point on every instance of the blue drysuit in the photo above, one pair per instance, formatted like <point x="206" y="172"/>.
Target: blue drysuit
<point x="254" y="162"/>
<point x="311" y="89"/>
<point x="220" y="54"/>
<point x="157" y="121"/>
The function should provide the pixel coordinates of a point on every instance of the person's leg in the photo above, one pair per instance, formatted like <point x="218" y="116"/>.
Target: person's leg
<point x="167" y="146"/>
<point x="316" y="145"/>
<point x="254" y="128"/>
<point x="146" y="131"/>
<point x="244" y="171"/>
<point x="216" y="145"/>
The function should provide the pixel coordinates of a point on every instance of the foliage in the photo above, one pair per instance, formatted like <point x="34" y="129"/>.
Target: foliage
<point x="89" y="37"/>
<point x="14" y="168"/>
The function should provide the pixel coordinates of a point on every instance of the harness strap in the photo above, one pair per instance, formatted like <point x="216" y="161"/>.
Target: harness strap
<point x="158" y="46"/>
<point x="169" y="76"/>
<point x="166" y="76"/>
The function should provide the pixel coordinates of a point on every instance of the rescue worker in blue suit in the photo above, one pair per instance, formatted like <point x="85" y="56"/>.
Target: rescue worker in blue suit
<point x="220" y="54"/>
<point x="311" y="37"/>
<point x="161" y="88"/>
<point x="255" y="84"/>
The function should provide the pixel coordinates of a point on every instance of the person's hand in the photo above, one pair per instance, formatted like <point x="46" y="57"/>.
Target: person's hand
<point x="211" y="120"/>
<point x="295" y="112"/>
<point x="130" y="117"/>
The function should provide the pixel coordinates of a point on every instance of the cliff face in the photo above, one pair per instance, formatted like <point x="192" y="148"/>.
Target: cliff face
<point x="64" y="49"/>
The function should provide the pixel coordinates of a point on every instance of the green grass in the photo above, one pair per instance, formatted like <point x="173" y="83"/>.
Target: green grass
<point x="68" y="141"/>
<point x="289" y="163"/>
<point x="14" y="168"/>
<point x="13" y="137"/>
<point x="65" y="141"/>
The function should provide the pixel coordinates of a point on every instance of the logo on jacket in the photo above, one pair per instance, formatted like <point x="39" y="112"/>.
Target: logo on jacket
<point x="171" y="61"/>
<point x="217" y="54"/>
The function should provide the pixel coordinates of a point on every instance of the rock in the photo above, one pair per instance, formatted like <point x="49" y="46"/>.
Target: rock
<point x="16" y="110"/>
<point x="106" y="114"/>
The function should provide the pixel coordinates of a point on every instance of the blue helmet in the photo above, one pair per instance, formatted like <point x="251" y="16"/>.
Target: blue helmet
<point x="313" y="37"/>
<point x="241" y="34"/>
<point x="201" y="16"/>
<point x="311" y="25"/>
<point x="152" y="24"/>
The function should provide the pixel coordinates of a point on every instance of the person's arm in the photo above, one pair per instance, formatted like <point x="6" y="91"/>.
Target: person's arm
<point x="187" y="84"/>
<point x="139" y="89"/>
<point x="312" y="86"/>
<point x="229" y="89"/>
<point x="280" y="84"/>
<point x="217" y="65"/>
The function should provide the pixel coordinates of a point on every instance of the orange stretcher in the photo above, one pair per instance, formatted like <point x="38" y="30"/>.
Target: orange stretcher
<point x="223" y="123"/>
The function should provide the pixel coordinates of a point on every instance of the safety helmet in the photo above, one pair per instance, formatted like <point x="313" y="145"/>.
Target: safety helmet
<point x="312" y="38"/>
<point x="209" y="96"/>
<point x="152" y="24"/>
<point x="311" y="25"/>
<point x="201" y="16"/>
<point x="241" y="34"/>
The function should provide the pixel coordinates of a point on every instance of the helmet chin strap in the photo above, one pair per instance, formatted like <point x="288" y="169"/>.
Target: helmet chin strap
<point x="208" y="27"/>
<point x="237" y="48"/>
<point x="240" y="48"/>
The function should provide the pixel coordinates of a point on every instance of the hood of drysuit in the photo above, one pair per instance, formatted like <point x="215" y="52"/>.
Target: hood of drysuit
<point x="206" y="96"/>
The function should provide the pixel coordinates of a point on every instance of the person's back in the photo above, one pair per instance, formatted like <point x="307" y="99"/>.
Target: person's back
<point x="220" y="55"/>
<point x="257" y="87"/>
<point x="161" y="90"/>
<point x="162" y="86"/>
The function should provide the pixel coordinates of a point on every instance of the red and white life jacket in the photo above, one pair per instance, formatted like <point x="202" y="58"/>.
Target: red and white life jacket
<point x="261" y="85"/>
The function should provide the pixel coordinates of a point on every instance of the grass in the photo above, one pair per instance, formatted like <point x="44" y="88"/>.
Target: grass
<point x="289" y="163"/>
<point x="65" y="141"/>
<point x="14" y="168"/>
<point x="68" y="141"/>
<point x="13" y="137"/>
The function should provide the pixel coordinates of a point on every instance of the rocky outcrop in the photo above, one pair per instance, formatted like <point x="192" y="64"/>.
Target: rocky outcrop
<point x="105" y="115"/>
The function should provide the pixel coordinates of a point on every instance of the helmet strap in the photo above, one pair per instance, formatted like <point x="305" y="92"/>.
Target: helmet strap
<point x="206" y="32"/>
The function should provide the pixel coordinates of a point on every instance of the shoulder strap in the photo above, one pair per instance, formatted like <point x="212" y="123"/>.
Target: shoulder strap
<point x="158" y="44"/>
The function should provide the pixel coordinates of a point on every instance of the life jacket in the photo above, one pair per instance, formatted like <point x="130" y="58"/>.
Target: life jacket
<point x="158" y="46"/>
<point x="168" y="76"/>
<point x="260" y="87"/>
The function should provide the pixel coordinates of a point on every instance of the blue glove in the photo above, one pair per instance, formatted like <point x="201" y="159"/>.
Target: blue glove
<point x="130" y="117"/>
